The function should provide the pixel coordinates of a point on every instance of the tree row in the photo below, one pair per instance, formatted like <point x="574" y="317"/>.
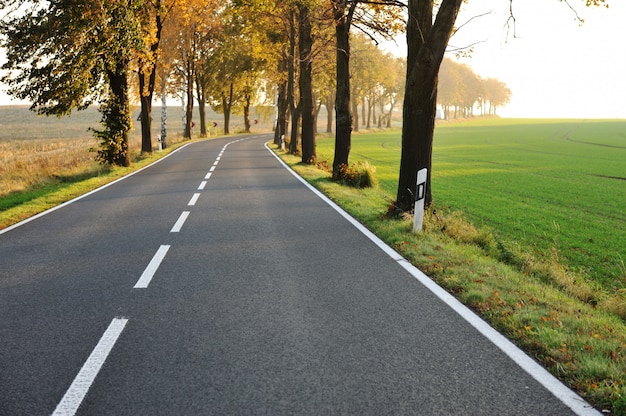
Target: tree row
<point x="68" y="54"/>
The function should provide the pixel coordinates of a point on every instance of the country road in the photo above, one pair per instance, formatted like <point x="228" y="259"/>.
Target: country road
<point x="216" y="283"/>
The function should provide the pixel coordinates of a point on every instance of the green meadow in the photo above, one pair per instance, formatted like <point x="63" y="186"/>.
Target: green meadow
<point x="555" y="187"/>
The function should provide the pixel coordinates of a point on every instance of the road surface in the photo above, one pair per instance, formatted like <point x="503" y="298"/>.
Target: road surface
<point x="216" y="283"/>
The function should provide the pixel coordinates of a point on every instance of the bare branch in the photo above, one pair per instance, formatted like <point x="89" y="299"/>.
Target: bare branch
<point x="511" y="22"/>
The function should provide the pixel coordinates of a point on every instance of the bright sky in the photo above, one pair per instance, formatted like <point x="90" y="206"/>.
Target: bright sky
<point x="553" y="66"/>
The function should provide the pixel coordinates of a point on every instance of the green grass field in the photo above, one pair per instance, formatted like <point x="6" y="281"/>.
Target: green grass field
<point x="543" y="184"/>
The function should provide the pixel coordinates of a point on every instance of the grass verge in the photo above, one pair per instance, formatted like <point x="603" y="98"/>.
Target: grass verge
<point x="576" y="333"/>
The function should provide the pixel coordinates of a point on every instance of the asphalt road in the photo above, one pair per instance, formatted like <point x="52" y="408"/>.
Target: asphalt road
<point x="216" y="283"/>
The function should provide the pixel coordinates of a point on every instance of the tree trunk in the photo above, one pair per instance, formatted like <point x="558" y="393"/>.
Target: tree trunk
<point x="427" y="43"/>
<point x="227" y="103"/>
<point x="146" y="91"/>
<point x="246" y="114"/>
<point x="343" y="124"/>
<point x="295" y="124"/>
<point x="163" y="119"/>
<point x="305" y="47"/>
<point x="291" y="86"/>
<point x="283" y="108"/>
<point x="146" y="109"/>
<point x="202" y="112"/>
<point x="189" y="93"/>
<point x="120" y="121"/>
<point x="329" y="109"/>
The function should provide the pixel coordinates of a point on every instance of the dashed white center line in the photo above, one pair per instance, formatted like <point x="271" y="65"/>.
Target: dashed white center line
<point x="148" y="274"/>
<point x="193" y="200"/>
<point x="78" y="389"/>
<point x="181" y="221"/>
<point x="208" y="175"/>
<point x="212" y="168"/>
<point x="202" y="186"/>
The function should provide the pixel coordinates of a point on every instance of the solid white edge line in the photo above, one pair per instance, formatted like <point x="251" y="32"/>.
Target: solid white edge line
<point x="41" y="214"/>
<point x="75" y="394"/>
<point x="193" y="200"/>
<point x="570" y="398"/>
<point x="148" y="273"/>
<point x="180" y="222"/>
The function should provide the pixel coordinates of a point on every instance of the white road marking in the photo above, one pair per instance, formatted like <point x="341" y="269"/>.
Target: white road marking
<point x="193" y="200"/>
<point x="570" y="398"/>
<point x="181" y="221"/>
<point x="208" y="175"/>
<point x="78" y="389"/>
<point x="148" y="273"/>
<point x="212" y="168"/>
<point x="202" y="186"/>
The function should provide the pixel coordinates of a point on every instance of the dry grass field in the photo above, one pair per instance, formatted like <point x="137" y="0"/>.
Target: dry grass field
<point x="35" y="150"/>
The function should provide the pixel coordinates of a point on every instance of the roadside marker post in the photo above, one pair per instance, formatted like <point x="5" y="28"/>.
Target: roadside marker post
<point x="420" y="195"/>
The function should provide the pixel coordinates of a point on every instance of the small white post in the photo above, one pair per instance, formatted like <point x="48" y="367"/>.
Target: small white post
<point x="282" y="142"/>
<point x="420" y="195"/>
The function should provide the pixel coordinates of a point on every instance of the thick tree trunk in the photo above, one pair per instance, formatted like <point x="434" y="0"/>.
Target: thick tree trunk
<point x="306" y="87"/>
<point x="427" y="43"/>
<point x="120" y="118"/>
<point x="343" y="133"/>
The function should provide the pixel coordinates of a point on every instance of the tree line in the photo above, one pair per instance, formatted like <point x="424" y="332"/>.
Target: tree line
<point x="461" y="90"/>
<point x="64" y="55"/>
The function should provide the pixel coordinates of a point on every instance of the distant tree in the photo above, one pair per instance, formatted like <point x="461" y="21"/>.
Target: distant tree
<point x="497" y="94"/>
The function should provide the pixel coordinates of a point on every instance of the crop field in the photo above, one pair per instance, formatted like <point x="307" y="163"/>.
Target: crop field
<point x="556" y="187"/>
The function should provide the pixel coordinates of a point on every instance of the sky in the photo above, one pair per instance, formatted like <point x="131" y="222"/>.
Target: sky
<point x="554" y="66"/>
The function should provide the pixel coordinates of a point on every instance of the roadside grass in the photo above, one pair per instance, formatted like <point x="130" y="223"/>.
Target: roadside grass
<point x="571" y="323"/>
<point x="57" y="189"/>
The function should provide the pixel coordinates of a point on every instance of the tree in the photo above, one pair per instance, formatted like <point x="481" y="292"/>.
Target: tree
<point x="496" y="93"/>
<point x="65" y="55"/>
<point x="379" y="17"/>
<point x="427" y="40"/>
<point x="153" y="15"/>
<point x="343" y="11"/>
<point x="305" y="48"/>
